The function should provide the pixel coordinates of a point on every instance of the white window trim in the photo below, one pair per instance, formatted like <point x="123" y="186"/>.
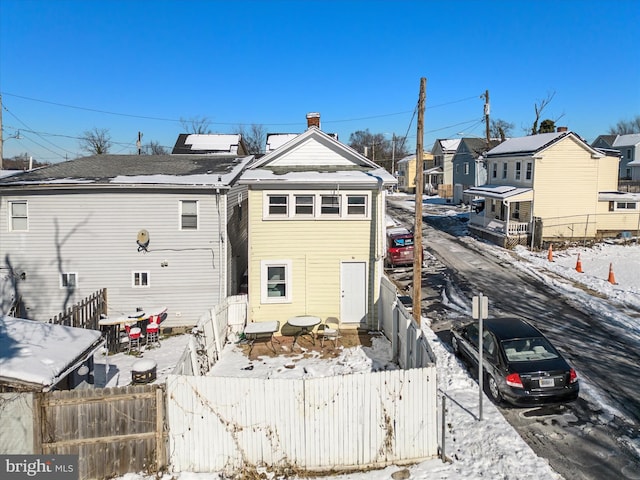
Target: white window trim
<point x="67" y="274"/>
<point x="317" y="205"/>
<point x="181" y="204"/>
<point x="624" y="209"/>
<point x="133" y="278"/>
<point x="264" y="268"/>
<point x="11" y="217"/>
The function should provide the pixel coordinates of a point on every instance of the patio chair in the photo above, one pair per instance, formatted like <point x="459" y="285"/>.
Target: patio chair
<point x="133" y="335"/>
<point x="329" y="329"/>
<point x="153" y="330"/>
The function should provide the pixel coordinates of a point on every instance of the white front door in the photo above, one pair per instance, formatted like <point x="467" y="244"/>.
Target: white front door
<point x="353" y="288"/>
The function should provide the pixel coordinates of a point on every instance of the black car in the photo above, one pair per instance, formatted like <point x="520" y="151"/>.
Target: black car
<point x="520" y="365"/>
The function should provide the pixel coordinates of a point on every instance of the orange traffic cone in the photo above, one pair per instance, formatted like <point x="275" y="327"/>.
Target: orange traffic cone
<point x="579" y="265"/>
<point x="612" y="278"/>
<point x="550" y="254"/>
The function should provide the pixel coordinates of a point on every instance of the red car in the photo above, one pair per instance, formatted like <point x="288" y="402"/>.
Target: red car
<point x="399" y="247"/>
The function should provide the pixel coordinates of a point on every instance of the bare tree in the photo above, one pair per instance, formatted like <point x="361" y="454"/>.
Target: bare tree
<point x="154" y="148"/>
<point x="197" y="125"/>
<point x="96" y="141"/>
<point x="625" y="127"/>
<point x="254" y="137"/>
<point x="500" y="129"/>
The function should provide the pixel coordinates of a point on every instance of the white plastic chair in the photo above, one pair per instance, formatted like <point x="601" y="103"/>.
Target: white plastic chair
<point x="329" y="330"/>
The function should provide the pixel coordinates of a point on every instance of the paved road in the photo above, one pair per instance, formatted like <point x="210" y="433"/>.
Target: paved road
<point x="581" y="440"/>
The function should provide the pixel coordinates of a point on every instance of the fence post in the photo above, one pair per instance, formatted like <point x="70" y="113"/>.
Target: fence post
<point x="443" y="455"/>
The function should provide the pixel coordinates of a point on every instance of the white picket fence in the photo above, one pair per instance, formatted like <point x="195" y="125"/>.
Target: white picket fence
<point x="345" y="422"/>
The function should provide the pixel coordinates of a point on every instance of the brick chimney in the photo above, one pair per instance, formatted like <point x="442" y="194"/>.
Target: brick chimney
<point x="561" y="129"/>
<point x="313" y="120"/>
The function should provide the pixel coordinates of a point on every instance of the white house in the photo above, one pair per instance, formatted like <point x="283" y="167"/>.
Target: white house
<point x="154" y="230"/>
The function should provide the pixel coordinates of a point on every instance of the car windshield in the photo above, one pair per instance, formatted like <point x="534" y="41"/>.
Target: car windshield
<point x="528" y="349"/>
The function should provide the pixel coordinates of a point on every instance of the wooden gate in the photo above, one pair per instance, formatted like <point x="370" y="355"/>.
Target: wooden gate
<point x="113" y="430"/>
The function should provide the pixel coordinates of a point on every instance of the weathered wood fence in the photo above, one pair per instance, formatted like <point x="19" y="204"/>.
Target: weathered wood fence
<point x="84" y="314"/>
<point x="113" y="430"/>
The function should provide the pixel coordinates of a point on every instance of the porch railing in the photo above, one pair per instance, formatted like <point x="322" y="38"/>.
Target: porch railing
<point x="498" y="226"/>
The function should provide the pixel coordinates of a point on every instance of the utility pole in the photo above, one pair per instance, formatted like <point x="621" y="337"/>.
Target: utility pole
<point x="417" y="229"/>
<point x="487" y="109"/>
<point x="139" y="143"/>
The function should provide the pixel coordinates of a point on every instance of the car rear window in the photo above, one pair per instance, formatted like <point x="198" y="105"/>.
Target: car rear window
<point x="402" y="242"/>
<point x="528" y="349"/>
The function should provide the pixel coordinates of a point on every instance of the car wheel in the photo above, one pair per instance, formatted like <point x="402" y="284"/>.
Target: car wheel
<point x="494" y="392"/>
<point x="454" y="345"/>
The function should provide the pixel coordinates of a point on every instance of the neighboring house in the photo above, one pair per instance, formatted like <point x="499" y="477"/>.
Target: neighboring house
<point x="210" y="144"/>
<point x="443" y="151"/>
<point x="635" y="169"/>
<point x="40" y="356"/>
<point x="407" y="173"/>
<point x="154" y="230"/>
<point x="469" y="169"/>
<point x="316" y="232"/>
<point x="555" y="182"/>
<point x="627" y="145"/>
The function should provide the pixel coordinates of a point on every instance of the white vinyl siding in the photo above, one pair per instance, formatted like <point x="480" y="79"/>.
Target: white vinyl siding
<point x="94" y="232"/>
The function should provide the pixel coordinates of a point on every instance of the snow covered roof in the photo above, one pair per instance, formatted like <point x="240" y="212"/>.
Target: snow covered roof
<point x="276" y="140"/>
<point x="194" y="170"/>
<point x="40" y="354"/>
<point x="529" y="144"/>
<point x="449" y="145"/>
<point x="500" y="191"/>
<point x="210" y="143"/>
<point x="629" y="140"/>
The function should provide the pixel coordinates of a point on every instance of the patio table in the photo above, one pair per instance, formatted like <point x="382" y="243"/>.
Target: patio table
<point x="305" y="323"/>
<point x="111" y="327"/>
<point x="262" y="331"/>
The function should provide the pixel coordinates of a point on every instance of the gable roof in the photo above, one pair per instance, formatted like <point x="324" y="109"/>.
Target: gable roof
<point x="314" y="156"/>
<point x="39" y="354"/>
<point x="210" y="143"/>
<point x="478" y="145"/>
<point x="191" y="169"/>
<point x="448" y="145"/>
<point x="536" y="143"/>
<point x="629" y="140"/>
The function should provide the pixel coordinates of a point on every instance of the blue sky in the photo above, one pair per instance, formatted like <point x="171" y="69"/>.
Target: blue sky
<point x="130" y="66"/>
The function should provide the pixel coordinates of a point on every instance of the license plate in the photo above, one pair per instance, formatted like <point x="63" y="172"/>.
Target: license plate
<point x="546" y="382"/>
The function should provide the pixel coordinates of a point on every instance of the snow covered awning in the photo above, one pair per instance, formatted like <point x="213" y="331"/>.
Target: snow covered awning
<point x="618" y="197"/>
<point x="38" y="354"/>
<point x="502" y="192"/>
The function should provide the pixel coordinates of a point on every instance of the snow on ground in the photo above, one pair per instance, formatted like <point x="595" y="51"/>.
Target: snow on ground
<point x="487" y="448"/>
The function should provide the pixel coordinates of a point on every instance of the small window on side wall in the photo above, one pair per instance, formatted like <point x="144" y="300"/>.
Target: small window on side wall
<point x="68" y="280"/>
<point x="188" y="215"/>
<point x="19" y="217"/>
<point x="140" y="279"/>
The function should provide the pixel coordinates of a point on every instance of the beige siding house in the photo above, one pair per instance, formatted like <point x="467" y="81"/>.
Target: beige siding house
<point x="551" y="186"/>
<point x="316" y="232"/>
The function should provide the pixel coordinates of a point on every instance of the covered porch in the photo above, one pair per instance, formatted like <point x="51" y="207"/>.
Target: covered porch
<point x="504" y="212"/>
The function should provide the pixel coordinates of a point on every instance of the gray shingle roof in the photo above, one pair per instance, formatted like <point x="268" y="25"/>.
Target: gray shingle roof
<point x="107" y="168"/>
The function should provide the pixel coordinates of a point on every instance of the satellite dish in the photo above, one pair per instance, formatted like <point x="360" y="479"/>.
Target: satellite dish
<point x="143" y="240"/>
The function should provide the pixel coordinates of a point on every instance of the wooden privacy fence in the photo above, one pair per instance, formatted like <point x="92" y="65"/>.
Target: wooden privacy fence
<point x="84" y="314"/>
<point x="342" y="422"/>
<point x="113" y="430"/>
